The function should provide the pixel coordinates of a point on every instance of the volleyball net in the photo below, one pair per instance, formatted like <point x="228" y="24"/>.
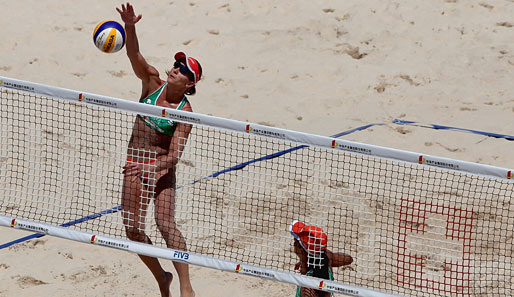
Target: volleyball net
<point x="415" y="224"/>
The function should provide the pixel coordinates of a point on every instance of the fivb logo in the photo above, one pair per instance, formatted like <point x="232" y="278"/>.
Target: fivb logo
<point x="421" y="160"/>
<point x="14" y="223"/>
<point x="509" y="174"/>
<point x="248" y="129"/>
<point x="94" y="239"/>
<point x="164" y="113"/>
<point x="181" y="255"/>
<point x="238" y="268"/>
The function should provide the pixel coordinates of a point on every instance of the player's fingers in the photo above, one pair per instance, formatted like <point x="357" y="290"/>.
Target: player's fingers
<point x="137" y="176"/>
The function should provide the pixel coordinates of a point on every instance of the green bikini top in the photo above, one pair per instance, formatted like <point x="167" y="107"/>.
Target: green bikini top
<point x="163" y="126"/>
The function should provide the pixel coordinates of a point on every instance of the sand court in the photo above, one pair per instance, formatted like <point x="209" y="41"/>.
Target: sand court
<point x="319" y="68"/>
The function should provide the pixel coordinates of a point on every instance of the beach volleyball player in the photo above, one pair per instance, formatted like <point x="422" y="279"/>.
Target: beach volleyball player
<point x="310" y="246"/>
<point x="157" y="143"/>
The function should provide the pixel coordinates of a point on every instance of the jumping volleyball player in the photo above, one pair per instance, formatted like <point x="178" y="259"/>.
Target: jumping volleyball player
<point x="310" y="245"/>
<point x="157" y="143"/>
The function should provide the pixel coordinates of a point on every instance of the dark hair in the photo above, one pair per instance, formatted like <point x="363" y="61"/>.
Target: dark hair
<point x="192" y="90"/>
<point x="320" y="269"/>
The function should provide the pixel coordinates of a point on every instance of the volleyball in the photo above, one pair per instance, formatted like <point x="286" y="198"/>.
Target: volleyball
<point x="109" y="36"/>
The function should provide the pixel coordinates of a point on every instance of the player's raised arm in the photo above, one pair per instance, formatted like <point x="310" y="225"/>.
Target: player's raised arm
<point x="141" y="68"/>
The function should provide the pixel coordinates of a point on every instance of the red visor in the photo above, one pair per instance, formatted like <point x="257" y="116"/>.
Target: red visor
<point x="312" y="239"/>
<point x="191" y="63"/>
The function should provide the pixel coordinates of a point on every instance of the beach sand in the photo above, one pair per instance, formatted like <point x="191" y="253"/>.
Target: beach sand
<point x="318" y="67"/>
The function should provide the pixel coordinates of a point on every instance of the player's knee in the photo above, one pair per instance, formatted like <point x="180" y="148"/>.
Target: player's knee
<point x="164" y="220"/>
<point x="167" y="227"/>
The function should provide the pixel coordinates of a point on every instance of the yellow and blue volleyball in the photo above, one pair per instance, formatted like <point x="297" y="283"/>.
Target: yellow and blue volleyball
<point x="109" y="36"/>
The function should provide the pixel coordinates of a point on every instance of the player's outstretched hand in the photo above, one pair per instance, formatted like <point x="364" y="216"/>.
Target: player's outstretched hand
<point x="127" y="14"/>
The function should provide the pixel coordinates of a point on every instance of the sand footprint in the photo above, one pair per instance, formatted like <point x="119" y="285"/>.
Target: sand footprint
<point x="28" y="281"/>
<point x="381" y="87"/>
<point x="452" y="150"/>
<point x="505" y="24"/>
<point x="225" y="7"/>
<point x="352" y="51"/>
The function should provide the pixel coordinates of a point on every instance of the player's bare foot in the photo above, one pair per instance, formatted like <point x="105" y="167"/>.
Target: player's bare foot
<point x="165" y="285"/>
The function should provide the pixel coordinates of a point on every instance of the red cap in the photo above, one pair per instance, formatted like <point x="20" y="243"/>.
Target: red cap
<point x="192" y="64"/>
<point x="312" y="239"/>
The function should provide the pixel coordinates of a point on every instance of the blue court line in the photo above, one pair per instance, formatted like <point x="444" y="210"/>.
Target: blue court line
<point x="237" y="167"/>
<point x="440" y="127"/>
<point x="37" y="235"/>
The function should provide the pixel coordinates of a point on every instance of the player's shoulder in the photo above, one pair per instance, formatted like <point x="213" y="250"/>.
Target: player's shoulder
<point x="187" y="106"/>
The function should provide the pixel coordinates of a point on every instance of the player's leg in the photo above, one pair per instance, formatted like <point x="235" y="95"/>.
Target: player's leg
<point x="165" y="220"/>
<point x="134" y="203"/>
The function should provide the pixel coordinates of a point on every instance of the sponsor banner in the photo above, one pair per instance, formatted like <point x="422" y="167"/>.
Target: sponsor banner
<point x="264" y="131"/>
<point x="438" y="162"/>
<point x="28" y="226"/>
<point x="351" y="147"/>
<point x="95" y="100"/>
<point x="254" y="271"/>
<point x="335" y="288"/>
<point x="16" y="85"/>
<point x="110" y="242"/>
<point x="189" y="117"/>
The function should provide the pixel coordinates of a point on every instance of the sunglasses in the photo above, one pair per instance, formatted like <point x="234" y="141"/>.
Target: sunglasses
<point x="184" y="70"/>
